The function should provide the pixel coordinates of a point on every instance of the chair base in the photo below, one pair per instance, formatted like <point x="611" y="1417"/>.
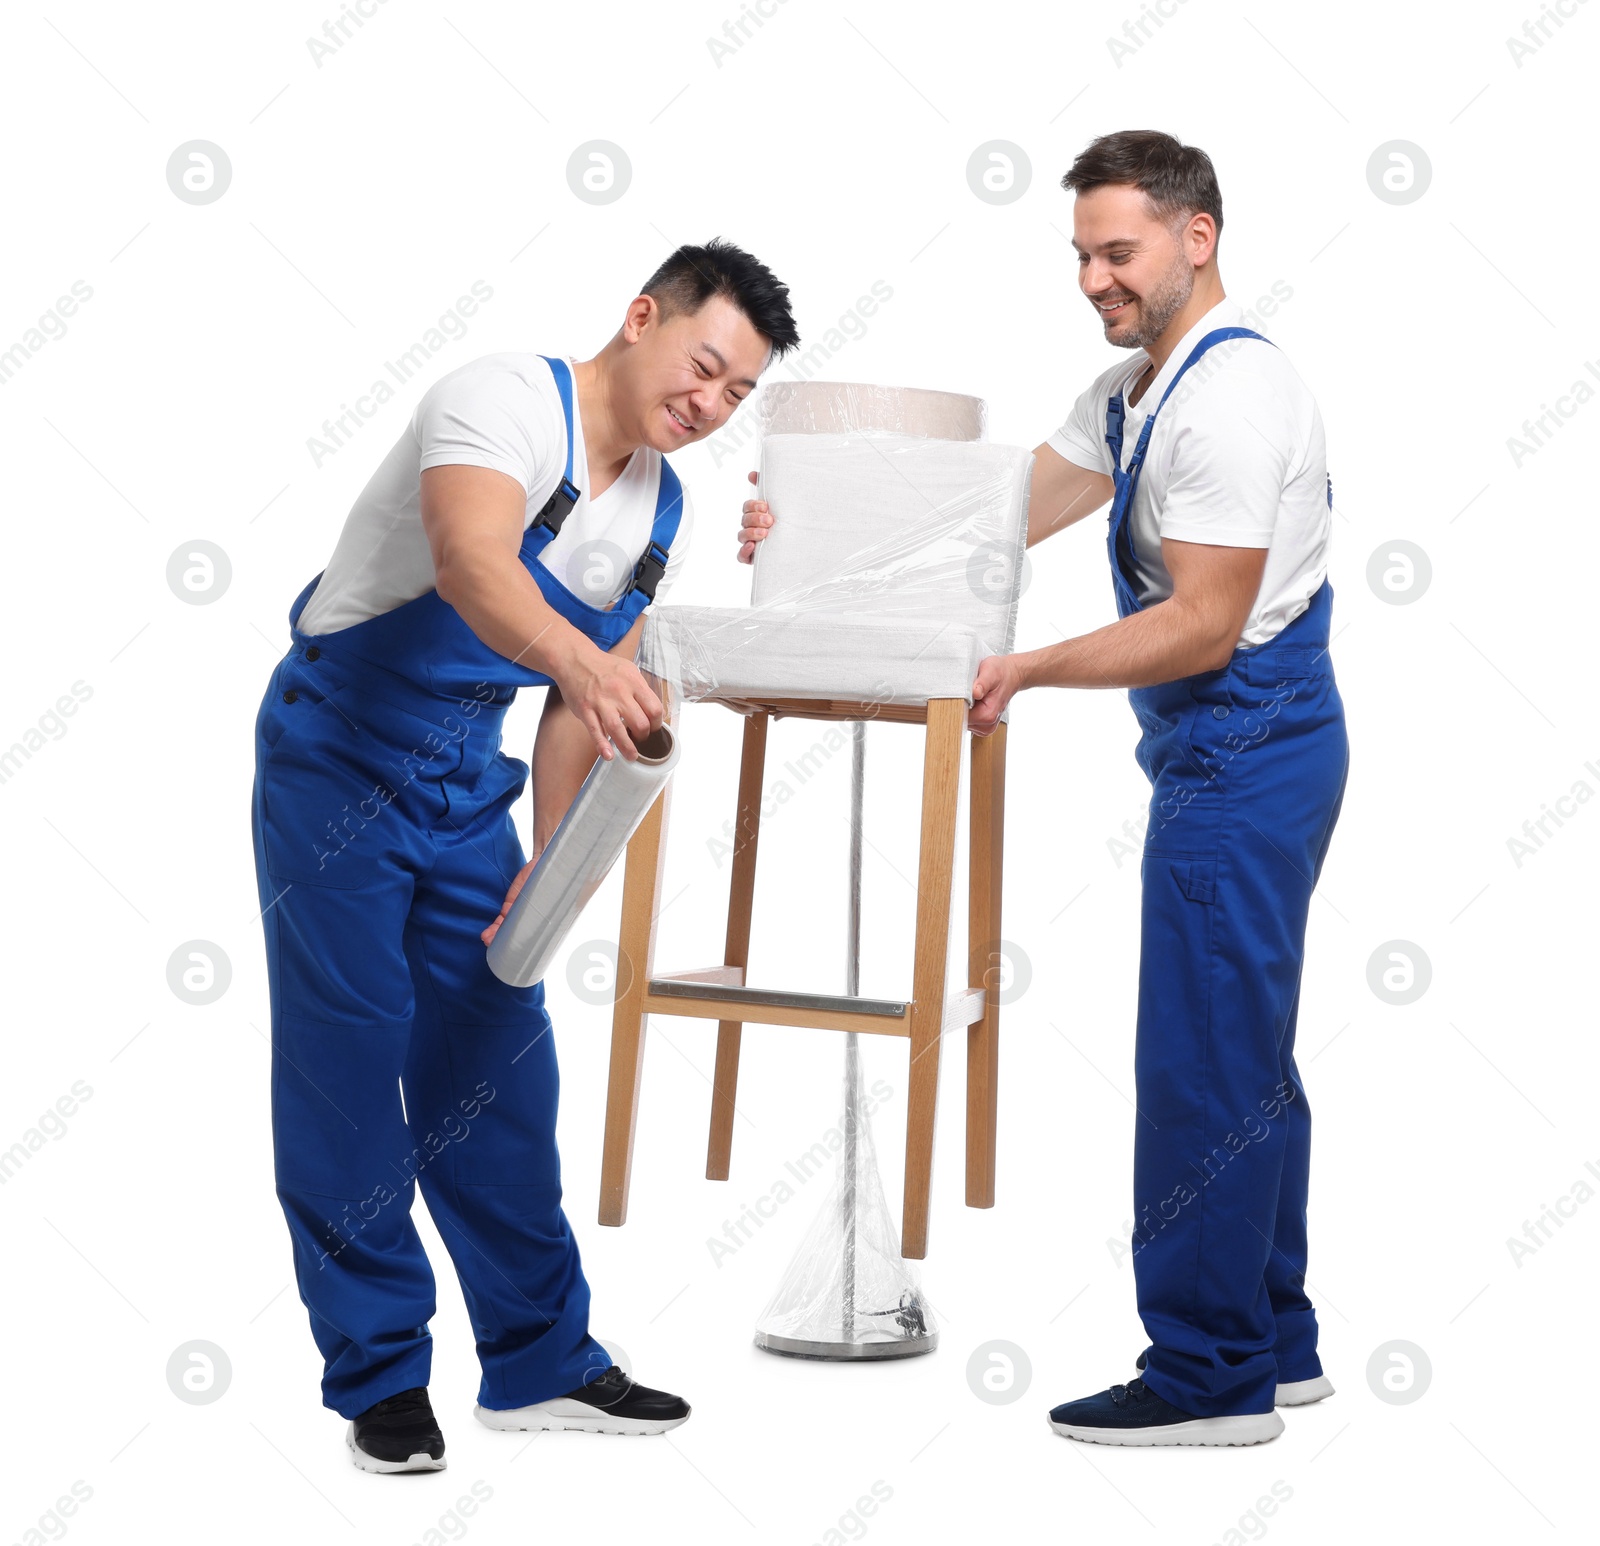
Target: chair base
<point x="847" y="1352"/>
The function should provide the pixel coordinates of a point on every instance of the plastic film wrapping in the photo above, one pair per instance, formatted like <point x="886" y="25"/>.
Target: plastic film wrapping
<point x="614" y="799"/>
<point x="893" y="565"/>
<point x="740" y="655"/>
<point x="848" y="1292"/>
<point x="857" y="407"/>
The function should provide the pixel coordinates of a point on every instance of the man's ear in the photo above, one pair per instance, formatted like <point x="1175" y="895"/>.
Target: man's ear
<point x="1200" y="239"/>
<point x="642" y="314"/>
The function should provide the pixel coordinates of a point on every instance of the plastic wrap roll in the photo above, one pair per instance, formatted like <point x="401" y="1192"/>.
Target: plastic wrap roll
<point x="614" y="799"/>
<point x="858" y="407"/>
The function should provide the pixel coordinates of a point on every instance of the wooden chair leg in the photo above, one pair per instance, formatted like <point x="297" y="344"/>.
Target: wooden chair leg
<point x="636" y="944"/>
<point x="736" y="952"/>
<point x="986" y="831"/>
<point x="941" y="781"/>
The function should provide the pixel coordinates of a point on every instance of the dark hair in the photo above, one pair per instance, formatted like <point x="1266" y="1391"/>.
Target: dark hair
<point x="692" y="275"/>
<point x="1178" y="180"/>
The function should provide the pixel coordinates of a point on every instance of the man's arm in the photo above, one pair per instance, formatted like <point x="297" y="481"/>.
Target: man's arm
<point x="563" y="752"/>
<point x="474" y="519"/>
<point x="562" y="756"/>
<point x="1195" y="629"/>
<point x="1061" y="492"/>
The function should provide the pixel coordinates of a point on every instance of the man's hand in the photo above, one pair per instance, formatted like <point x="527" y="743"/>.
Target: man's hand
<point x="505" y="907"/>
<point x="999" y="677"/>
<point x="757" y="523"/>
<point x="610" y="696"/>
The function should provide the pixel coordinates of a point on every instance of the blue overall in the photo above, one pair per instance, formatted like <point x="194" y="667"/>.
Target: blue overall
<point x="384" y="845"/>
<point x="1247" y="768"/>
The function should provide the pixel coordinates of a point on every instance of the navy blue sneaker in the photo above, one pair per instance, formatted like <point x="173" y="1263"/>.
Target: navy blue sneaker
<point x="1134" y="1414"/>
<point x="1289" y="1392"/>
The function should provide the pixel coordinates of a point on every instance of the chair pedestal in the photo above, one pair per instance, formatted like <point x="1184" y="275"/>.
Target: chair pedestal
<point x="721" y="992"/>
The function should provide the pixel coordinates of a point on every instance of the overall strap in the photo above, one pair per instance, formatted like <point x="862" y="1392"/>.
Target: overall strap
<point x="559" y="505"/>
<point x="1119" y="535"/>
<point x="669" y="511"/>
<point x="1114" y="418"/>
<point x="1215" y="336"/>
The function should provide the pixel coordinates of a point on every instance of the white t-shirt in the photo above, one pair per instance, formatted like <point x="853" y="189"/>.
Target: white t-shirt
<point x="503" y="412"/>
<point x="1236" y="459"/>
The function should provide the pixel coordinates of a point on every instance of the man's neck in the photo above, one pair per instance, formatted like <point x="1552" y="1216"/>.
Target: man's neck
<point x="605" y="445"/>
<point x="1207" y="293"/>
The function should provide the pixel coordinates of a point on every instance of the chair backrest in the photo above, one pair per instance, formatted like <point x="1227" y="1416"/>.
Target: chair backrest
<point x="895" y="526"/>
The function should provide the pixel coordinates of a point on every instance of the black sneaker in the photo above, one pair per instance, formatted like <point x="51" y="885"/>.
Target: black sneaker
<point x="1135" y="1414"/>
<point x="1289" y="1392"/>
<point x="398" y="1434"/>
<point x="610" y="1404"/>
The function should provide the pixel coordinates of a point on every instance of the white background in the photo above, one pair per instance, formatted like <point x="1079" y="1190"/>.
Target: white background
<point x="429" y="152"/>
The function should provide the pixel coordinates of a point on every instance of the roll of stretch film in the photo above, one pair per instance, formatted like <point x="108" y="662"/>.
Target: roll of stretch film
<point x="614" y="799"/>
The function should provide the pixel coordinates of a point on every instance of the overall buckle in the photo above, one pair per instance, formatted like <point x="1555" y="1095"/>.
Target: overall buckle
<point x="649" y="570"/>
<point x="1115" y="416"/>
<point x="557" y="507"/>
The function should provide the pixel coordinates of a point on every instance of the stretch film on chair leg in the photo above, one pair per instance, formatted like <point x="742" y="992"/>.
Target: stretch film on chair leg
<point x="849" y="1293"/>
<point x="614" y="799"/>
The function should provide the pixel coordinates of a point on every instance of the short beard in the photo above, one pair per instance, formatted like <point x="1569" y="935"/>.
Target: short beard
<point x="1160" y="306"/>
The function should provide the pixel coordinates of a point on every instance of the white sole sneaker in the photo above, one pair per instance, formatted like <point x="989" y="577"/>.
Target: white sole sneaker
<point x="562" y="1415"/>
<point x="1296" y="1392"/>
<point x="421" y="1461"/>
<point x="1303" y="1392"/>
<point x="1251" y="1428"/>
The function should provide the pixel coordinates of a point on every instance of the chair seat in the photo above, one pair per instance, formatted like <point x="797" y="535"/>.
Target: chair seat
<point x="744" y="653"/>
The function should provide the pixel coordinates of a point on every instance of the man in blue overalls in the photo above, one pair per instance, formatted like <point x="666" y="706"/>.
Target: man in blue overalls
<point x="1211" y="451"/>
<point x="512" y="538"/>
